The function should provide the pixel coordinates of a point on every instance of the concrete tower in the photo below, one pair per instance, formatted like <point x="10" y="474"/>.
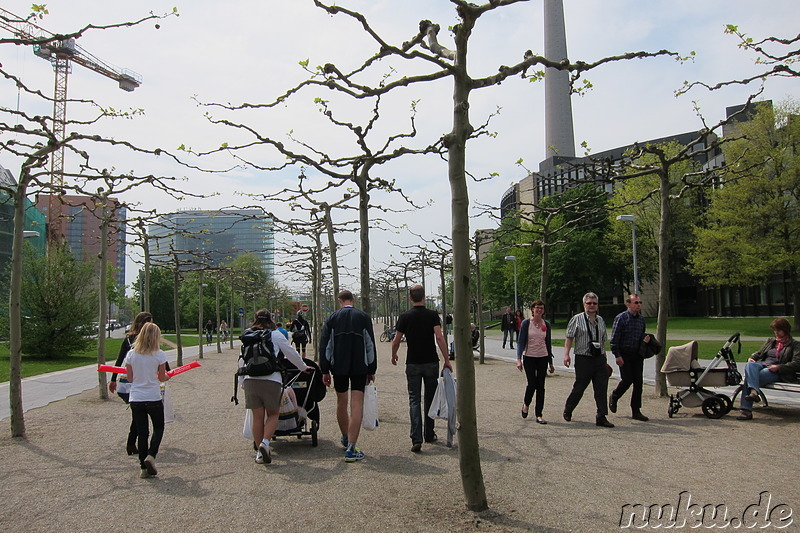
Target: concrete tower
<point x="559" y="137"/>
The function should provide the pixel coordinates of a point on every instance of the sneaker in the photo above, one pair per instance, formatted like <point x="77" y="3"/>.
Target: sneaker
<point x="144" y="474"/>
<point x="150" y="465"/>
<point x="264" y="451"/>
<point x="259" y="458"/>
<point x="353" y="454"/>
<point x="343" y="440"/>
<point x="416" y="447"/>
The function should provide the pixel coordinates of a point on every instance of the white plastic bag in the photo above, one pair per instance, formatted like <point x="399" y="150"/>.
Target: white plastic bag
<point x="370" y="418"/>
<point x="247" y="429"/>
<point x="439" y="404"/>
<point x="169" y="406"/>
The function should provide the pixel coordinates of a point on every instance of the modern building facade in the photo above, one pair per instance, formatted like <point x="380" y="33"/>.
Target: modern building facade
<point x="34" y="221"/>
<point x="80" y="225"/>
<point x="212" y="238"/>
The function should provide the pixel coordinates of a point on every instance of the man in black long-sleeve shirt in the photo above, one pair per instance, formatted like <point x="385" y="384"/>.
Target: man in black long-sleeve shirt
<point x="627" y="336"/>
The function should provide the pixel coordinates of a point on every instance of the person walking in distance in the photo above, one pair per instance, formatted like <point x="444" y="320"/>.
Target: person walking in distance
<point x="348" y="352"/>
<point x="507" y="325"/>
<point x="627" y="335"/>
<point x="422" y="328"/>
<point x="587" y="331"/>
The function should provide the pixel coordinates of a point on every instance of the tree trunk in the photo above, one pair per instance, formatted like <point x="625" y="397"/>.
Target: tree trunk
<point x="332" y="247"/>
<point x="469" y="450"/>
<point x="177" y="307"/>
<point x="663" y="280"/>
<point x="101" y="333"/>
<point x="216" y="303"/>
<point x="479" y="289"/>
<point x="363" y="218"/>
<point x="200" y="325"/>
<point x="146" y="290"/>
<point x="15" y="315"/>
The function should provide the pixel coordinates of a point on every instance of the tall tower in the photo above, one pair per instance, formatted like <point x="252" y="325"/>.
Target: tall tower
<point x="559" y="137"/>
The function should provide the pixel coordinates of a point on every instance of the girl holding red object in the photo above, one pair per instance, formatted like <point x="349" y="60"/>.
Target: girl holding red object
<point x="146" y="364"/>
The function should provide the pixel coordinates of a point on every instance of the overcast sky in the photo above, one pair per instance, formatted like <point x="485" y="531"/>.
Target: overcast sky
<point x="249" y="51"/>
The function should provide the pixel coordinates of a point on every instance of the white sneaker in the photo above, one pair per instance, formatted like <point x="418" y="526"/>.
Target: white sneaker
<point x="266" y="457"/>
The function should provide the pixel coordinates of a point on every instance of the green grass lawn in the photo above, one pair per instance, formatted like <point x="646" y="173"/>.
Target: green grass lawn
<point x="33" y="366"/>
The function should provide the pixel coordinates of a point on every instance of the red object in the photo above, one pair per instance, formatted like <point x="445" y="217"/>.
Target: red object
<point x="114" y="369"/>
<point x="181" y="369"/>
<point x="170" y="373"/>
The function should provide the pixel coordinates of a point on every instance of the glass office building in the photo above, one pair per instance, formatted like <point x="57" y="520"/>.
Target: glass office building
<point x="212" y="238"/>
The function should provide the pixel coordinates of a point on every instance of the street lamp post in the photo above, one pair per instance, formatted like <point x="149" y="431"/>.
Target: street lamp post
<point x="632" y="220"/>
<point x="514" y="259"/>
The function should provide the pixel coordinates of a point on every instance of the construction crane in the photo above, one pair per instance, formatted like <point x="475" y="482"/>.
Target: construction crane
<point x="61" y="54"/>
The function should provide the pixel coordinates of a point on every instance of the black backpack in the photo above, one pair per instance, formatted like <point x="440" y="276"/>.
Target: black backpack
<point x="258" y="354"/>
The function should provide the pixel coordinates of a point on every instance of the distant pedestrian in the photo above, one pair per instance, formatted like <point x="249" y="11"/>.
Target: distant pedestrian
<point x="508" y="328"/>
<point x="347" y="350"/>
<point x="301" y="331"/>
<point x="587" y="331"/>
<point x="209" y="331"/>
<point x="223" y="330"/>
<point x="282" y="330"/>
<point x="535" y="356"/>
<point x="146" y="364"/>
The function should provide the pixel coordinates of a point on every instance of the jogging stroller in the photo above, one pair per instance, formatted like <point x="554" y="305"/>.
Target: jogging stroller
<point x="300" y="401"/>
<point x="683" y="370"/>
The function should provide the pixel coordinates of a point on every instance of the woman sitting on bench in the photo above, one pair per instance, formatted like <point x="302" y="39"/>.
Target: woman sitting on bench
<point x="777" y="360"/>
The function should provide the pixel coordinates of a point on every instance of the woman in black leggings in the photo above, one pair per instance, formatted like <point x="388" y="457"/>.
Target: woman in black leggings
<point x="535" y="355"/>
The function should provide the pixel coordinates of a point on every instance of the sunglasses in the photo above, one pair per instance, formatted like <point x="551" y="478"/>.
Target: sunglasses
<point x="637" y="302"/>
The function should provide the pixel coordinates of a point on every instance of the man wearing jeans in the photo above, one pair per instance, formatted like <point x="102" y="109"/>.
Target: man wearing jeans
<point x="422" y="329"/>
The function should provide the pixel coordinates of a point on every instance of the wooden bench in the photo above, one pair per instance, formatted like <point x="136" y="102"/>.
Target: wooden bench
<point x="780" y="386"/>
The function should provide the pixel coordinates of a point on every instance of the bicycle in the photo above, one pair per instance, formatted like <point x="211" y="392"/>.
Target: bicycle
<point x="388" y="333"/>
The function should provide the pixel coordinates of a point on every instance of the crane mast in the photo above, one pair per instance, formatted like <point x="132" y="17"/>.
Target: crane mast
<point x="62" y="53"/>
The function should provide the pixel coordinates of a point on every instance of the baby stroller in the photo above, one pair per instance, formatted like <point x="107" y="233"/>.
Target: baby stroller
<point x="683" y="370"/>
<point x="299" y="404"/>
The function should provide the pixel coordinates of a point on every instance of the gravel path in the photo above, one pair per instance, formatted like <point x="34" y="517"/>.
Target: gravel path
<point x="72" y="473"/>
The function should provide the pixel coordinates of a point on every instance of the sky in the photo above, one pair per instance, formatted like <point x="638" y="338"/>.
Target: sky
<point x="249" y="51"/>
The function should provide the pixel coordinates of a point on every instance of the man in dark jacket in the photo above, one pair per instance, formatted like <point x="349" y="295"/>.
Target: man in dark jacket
<point x="507" y="326"/>
<point x="627" y="337"/>
<point x="347" y="346"/>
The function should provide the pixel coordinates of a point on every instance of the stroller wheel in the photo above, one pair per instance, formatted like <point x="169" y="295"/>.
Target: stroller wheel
<point x="673" y="407"/>
<point x="714" y="407"/>
<point x="314" y="437"/>
<point x="727" y="401"/>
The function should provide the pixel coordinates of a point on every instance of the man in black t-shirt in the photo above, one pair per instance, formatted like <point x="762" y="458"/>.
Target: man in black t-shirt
<point x="423" y="332"/>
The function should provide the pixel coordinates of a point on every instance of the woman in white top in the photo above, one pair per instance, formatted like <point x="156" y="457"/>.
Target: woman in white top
<point x="262" y="394"/>
<point x="146" y="364"/>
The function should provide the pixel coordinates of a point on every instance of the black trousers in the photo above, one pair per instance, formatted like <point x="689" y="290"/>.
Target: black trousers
<point x="143" y="413"/>
<point x="535" y="371"/>
<point x="631" y="373"/>
<point x="589" y="370"/>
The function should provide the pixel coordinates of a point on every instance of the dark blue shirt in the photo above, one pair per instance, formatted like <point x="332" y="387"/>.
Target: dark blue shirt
<point x="627" y="334"/>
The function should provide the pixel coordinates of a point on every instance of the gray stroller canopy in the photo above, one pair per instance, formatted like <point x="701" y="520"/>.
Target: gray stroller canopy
<point x="681" y="358"/>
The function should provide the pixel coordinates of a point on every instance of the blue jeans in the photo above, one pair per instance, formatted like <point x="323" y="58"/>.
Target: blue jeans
<point x="416" y="375"/>
<point x="755" y="376"/>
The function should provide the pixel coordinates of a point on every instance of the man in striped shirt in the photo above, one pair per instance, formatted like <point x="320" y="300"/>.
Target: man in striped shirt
<point x="587" y="331"/>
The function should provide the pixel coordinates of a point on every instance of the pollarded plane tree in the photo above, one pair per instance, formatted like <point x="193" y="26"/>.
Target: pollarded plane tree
<point x="32" y="141"/>
<point x="424" y="49"/>
<point x="676" y="174"/>
<point x="357" y="169"/>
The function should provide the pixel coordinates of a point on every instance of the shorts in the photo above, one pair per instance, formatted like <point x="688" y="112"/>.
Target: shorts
<point x="262" y="393"/>
<point x="345" y="383"/>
